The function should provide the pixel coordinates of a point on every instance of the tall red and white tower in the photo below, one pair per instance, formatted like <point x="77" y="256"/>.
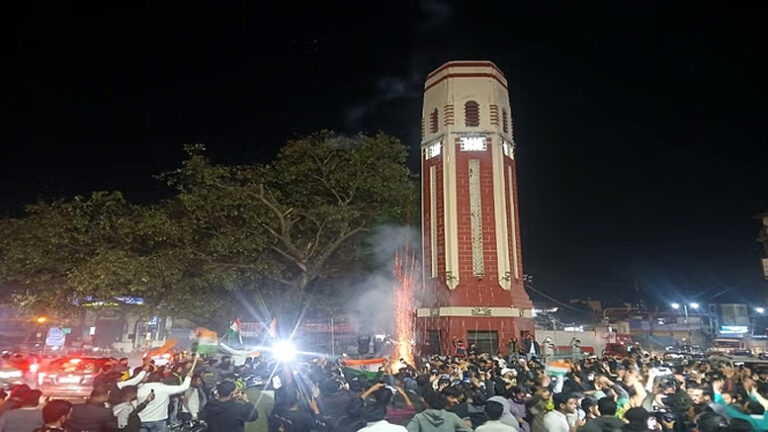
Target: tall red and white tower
<point x="472" y="263"/>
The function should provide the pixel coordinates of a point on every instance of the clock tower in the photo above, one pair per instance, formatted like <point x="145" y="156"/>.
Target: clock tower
<point x="471" y="249"/>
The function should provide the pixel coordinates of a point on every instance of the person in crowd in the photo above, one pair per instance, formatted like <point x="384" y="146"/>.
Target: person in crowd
<point x="548" y="349"/>
<point x="155" y="416"/>
<point x="556" y="420"/>
<point x="435" y="418"/>
<point x="636" y="420"/>
<point x="575" y="350"/>
<point x="531" y="347"/>
<point x="601" y="417"/>
<point x="494" y="410"/>
<point x="127" y="411"/>
<point x="56" y="415"/>
<point x="93" y="415"/>
<point x="288" y="414"/>
<point x="506" y="417"/>
<point x="193" y="400"/>
<point x="26" y="414"/>
<point x="230" y="411"/>
<point x="333" y="400"/>
<point x="513" y="347"/>
<point x="375" y="417"/>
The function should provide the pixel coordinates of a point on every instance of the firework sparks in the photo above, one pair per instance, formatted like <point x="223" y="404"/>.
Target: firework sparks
<point x="405" y="271"/>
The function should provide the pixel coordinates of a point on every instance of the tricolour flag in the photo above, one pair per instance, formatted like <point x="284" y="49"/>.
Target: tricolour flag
<point x="557" y="368"/>
<point x="207" y="342"/>
<point x="367" y="368"/>
<point x="235" y="330"/>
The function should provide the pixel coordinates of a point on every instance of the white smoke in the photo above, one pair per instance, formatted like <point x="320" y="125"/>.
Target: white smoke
<point x="371" y="298"/>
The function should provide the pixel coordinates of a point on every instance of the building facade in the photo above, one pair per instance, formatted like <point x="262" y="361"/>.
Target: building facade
<point x="472" y="261"/>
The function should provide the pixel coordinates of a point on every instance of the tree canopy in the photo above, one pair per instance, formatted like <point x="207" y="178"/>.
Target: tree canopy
<point x="265" y="232"/>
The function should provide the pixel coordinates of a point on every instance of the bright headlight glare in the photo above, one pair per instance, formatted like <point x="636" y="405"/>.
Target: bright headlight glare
<point x="284" y="350"/>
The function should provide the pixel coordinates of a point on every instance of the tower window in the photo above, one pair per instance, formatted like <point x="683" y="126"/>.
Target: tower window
<point x="433" y="121"/>
<point x="471" y="114"/>
<point x="504" y="120"/>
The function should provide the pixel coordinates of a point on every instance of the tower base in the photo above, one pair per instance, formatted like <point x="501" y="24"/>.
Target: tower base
<point x="436" y="330"/>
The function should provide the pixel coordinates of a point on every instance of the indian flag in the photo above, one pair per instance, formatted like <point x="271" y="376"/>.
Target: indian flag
<point x="366" y="368"/>
<point x="557" y="368"/>
<point x="206" y="341"/>
<point x="235" y="330"/>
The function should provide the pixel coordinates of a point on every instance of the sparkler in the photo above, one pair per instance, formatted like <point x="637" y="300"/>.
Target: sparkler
<point x="405" y="273"/>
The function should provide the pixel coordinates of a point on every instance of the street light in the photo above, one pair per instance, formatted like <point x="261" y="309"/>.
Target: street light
<point x="694" y="305"/>
<point x="760" y="310"/>
<point x="41" y="320"/>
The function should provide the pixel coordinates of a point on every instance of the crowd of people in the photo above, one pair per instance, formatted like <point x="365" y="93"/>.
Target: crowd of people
<point x="484" y="393"/>
<point x="150" y="399"/>
<point x="467" y="391"/>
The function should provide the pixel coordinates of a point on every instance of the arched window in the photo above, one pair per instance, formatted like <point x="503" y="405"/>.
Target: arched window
<point x="504" y="120"/>
<point x="433" y="121"/>
<point x="471" y="114"/>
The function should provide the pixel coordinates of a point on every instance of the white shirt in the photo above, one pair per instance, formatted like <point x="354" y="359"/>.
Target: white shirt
<point x="133" y="381"/>
<point x="555" y="421"/>
<point x="157" y="410"/>
<point x="122" y="411"/>
<point x="383" y="426"/>
<point x="495" y="426"/>
<point x="191" y="402"/>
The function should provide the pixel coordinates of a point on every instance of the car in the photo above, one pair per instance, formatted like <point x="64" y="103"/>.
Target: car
<point x="70" y="376"/>
<point x="10" y="374"/>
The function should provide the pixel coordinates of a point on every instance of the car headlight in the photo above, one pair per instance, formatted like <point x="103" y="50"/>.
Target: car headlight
<point x="10" y="374"/>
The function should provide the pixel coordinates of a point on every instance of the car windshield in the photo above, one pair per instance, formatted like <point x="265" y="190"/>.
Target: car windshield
<point x="75" y="365"/>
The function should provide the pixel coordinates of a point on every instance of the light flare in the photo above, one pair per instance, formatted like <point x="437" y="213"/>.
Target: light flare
<point x="405" y="274"/>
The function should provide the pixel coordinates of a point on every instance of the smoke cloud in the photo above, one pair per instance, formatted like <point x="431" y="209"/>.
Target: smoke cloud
<point x="371" y="298"/>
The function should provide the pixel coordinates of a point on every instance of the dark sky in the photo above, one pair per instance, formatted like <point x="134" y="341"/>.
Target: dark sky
<point x="642" y="132"/>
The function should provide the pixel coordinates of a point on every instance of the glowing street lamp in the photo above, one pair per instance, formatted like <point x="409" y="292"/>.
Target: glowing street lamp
<point x="694" y="305"/>
<point x="41" y="319"/>
<point x="760" y="310"/>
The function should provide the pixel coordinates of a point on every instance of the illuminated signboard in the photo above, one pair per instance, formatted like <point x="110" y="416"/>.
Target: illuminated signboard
<point x="734" y="329"/>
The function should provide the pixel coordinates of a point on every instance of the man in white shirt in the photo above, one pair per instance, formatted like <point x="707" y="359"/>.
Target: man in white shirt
<point x="494" y="411"/>
<point x="193" y="400"/>
<point x="154" y="416"/>
<point x="556" y="421"/>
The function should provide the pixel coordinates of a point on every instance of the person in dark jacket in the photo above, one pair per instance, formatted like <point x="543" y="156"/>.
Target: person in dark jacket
<point x="93" y="416"/>
<point x="56" y="416"/>
<point x="607" y="422"/>
<point x="230" y="411"/>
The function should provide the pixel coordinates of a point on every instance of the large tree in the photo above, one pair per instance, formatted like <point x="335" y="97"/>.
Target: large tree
<point x="309" y="209"/>
<point x="265" y="233"/>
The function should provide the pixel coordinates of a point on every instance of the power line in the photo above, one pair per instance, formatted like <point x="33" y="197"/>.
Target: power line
<point x="557" y="301"/>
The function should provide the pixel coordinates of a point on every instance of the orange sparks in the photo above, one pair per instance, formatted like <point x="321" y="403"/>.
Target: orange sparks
<point x="405" y="271"/>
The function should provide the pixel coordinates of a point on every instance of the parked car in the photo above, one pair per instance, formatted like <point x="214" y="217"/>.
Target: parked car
<point x="70" y="376"/>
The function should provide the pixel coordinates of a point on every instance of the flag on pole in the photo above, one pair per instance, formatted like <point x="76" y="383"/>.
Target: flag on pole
<point x="235" y="330"/>
<point x="206" y="341"/>
<point x="366" y="368"/>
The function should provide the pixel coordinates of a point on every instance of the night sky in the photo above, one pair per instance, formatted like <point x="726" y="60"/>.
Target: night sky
<point x="642" y="133"/>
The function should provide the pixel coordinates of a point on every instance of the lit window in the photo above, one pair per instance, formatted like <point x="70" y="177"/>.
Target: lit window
<point x="471" y="114"/>
<point x="433" y="121"/>
<point x="433" y="149"/>
<point x="509" y="149"/>
<point x="476" y="143"/>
